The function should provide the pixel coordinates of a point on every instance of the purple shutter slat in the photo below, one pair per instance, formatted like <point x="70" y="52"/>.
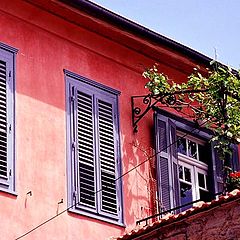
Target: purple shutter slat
<point x="165" y="185"/>
<point x="162" y="164"/>
<point x="107" y="157"/>
<point x="85" y="150"/>
<point x="162" y="136"/>
<point x="3" y="121"/>
<point x="174" y="162"/>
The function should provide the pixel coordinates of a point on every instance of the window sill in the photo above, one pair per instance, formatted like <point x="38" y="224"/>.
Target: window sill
<point x="96" y="216"/>
<point x="7" y="191"/>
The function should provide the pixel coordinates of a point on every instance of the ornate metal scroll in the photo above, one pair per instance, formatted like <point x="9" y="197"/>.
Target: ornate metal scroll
<point x="147" y="102"/>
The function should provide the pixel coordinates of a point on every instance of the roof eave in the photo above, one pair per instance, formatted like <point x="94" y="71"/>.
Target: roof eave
<point x="130" y="26"/>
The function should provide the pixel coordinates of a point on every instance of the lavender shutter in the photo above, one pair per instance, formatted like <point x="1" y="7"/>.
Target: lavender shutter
<point x="235" y="158"/>
<point x="167" y="163"/>
<point x="162" y="163"/>
<point x="7" y="77"/>
<point x="174" y="160"/>
<point x="3" y="121"/>
<point x="217" y="171"/>
<point x="107" y="156"/>
<point x="85" y="150"/>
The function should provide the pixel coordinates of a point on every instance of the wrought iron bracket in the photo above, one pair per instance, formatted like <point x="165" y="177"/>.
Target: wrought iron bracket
<point x="141" y="105"/>
<point x="147" y="102"/>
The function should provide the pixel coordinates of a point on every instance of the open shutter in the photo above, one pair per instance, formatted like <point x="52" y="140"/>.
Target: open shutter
<point x="167" y="168"/>
<point x="162" y="163"/>
<point x="217" y="171"/>
<point x="107" y="156"/>
<point x="218" y="167"/>
<point x="85" y="150"/>
<point x="174" y="160"/>
<point x="235" y="158"/>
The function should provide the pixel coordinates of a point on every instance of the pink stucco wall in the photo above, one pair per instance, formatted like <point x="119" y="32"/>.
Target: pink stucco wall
<point x="48" y="44"/>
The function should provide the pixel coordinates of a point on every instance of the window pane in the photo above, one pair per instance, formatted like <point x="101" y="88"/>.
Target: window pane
<point x="192" y="149"/>
<point x="180" y="172"/>
<point x="187" y="172"/>
<point x="201" y="180"/>
<point x="181" y="145"/>
<point x="186" y="195"/>
<point x="203" y="153"/>
<point x="204" y="196"/>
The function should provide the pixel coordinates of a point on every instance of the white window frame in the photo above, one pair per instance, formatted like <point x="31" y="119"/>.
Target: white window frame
<point x="195" y="165"/>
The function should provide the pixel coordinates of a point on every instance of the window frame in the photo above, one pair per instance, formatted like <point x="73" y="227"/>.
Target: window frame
<point x="97" y="89"/>
<point x="8" y="55"/>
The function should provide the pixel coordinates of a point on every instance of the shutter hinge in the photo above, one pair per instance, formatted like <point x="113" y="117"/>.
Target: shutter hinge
<point x="75" y="198"/>
<point x="72" y="98"/>
<point x="10" y="172"/>
<point x="73" y="144"/>
<point x="74" y="194"/>
<point x="10" y="128"/>
<point x="10" y="74"/>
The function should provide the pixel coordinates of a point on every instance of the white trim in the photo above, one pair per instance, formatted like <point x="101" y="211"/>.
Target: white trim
<point x="192" y="161"/>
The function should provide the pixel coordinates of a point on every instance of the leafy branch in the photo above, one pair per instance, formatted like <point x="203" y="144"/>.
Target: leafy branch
<point x="213" y="97"/>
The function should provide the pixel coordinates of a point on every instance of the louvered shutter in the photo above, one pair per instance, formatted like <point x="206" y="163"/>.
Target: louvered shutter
<point x="107" y="157"/>
<point x="94" y="153"/>
<point x="85" y="150"/>
<point x="218" y="167"/>
<point x="174" y="161"/>
<point x="167" y="163"/>
<point x="3" y="121"/>
<point x="7" y="171"/>
<point x="235" y="158"/>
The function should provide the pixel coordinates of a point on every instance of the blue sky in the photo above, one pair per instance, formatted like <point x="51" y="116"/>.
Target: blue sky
<point x="203" y="25"/>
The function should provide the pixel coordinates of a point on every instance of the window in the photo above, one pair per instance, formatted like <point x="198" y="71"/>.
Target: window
<point x="193" y="169"/>
<point x="93" y="149"/>
<point x="7" y="81"/>
<point x="188" y="168"/>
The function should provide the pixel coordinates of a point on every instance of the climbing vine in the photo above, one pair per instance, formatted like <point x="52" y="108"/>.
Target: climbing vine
<point x="213" y="97"/>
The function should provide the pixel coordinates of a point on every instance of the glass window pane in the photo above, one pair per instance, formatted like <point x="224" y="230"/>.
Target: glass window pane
<point x="180" y="172"/>
<point x="187" y="172"/>
<point x="181" y="145"/>
<point x="186" y="195"/>
<point x="201" y="180"/>
<point x="192" y="149"/>
<point x="205" y="196"/>
<point x="203" y="152"/>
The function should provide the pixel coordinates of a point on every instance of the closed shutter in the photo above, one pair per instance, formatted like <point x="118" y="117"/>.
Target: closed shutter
<point x="95" y="155"/>
<point x="94" y="166"/>
<point x="107" y="156"/>
<point x="7" y="79"/>
<point x="3" y="121"/>
<point x="85" y="149"/>
<point x="167" y="168"/>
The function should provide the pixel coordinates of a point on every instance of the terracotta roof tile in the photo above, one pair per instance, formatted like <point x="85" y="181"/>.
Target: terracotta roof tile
<point x="201" y="207"/>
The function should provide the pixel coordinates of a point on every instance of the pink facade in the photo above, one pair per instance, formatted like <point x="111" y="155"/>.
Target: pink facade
<point x="51" y="36"/>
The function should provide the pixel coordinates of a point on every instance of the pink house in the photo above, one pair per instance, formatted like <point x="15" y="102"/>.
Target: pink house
<point x="71" y="164"/>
